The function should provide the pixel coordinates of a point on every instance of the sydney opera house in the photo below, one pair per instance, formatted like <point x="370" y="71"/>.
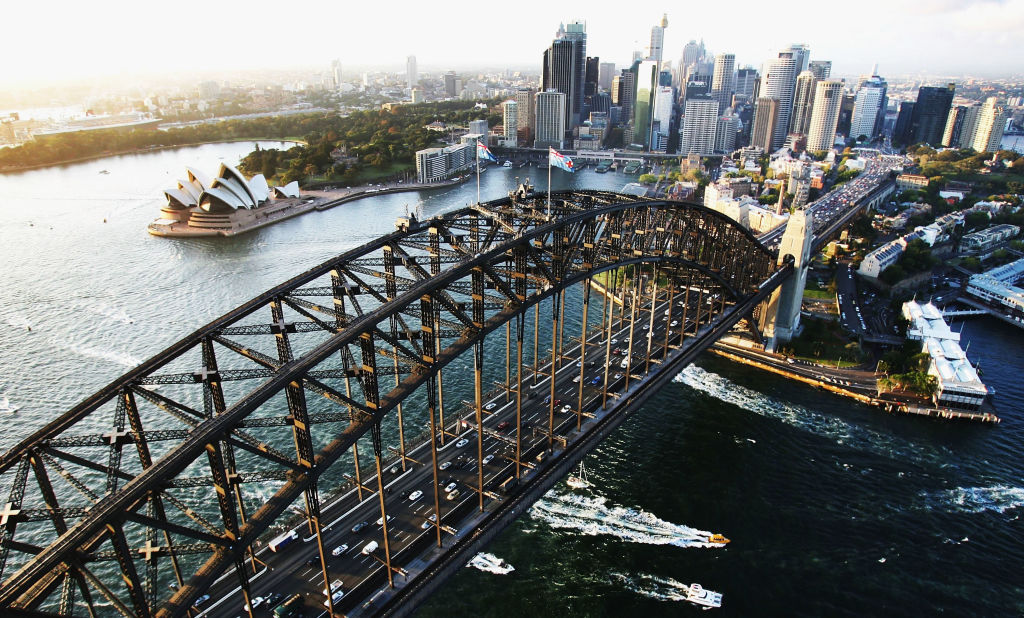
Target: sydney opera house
<point x="199" y="206"/>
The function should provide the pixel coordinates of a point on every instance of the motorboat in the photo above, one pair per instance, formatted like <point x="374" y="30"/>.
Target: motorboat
<point x="718" y="538"/>
<point x="708" y="598"/>
<point x="490" y="563"/>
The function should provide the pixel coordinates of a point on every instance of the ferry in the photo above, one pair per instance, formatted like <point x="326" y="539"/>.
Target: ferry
<point x="603" y="166"/>
<point x="578" y="480"/>
<point x="718" y="538"/>
<point x="700" y="596"/>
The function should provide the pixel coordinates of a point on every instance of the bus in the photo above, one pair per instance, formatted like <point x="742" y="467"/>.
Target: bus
<point x="281" y="541"/>
<point x="289" y="608"/>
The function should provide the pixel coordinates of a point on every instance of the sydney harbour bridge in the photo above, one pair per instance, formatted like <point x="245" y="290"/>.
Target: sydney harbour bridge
<point x="307" y="446"/>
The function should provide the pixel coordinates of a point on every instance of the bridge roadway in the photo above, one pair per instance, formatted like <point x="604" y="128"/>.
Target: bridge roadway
<point x="410" y="531"/>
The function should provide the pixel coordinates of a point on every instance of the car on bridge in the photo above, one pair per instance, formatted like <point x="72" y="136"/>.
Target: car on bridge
<point x="358" y="527"/>
<point x="414" y="496"/>
<point x="490" y="406"/>
<point x="339" y="550"/>
<point x="461" y="443"/>
<point x="488" y="459"/>
<point x="504" y="425"/>
<point x="450" y="487"/>
<point x="445" y="465"/>
<point x="430" y="520"/>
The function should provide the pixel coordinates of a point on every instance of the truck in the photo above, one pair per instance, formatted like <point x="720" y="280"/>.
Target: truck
<point x="283" y="540"/>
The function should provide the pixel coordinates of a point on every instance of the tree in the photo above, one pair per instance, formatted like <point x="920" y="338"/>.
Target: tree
<point x="647" y="179"/>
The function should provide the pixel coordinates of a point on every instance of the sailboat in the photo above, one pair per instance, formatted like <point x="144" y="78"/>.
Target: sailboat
<point x="578" y="480"/>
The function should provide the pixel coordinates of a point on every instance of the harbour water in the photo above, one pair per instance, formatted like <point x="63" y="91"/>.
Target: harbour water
<point x="833" y="508"/>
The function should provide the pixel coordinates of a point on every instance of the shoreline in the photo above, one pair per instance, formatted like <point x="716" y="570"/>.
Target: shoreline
<point x="121" y="153"/>
<point x="762" y="361"/>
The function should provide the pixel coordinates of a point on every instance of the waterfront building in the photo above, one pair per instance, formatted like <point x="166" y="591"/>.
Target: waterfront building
<point x="766" y="114"/>
<point x="778" y="82"/>
<point x="803" y="103"/>
<point x="510" y="123"/>
<point x="550" y="110"/>
<point x="821" y="130"/>
<point x="930" y="113"/>
<point x="700" y="122"/>
<point x="480" y="127"/>
<point x="412" y="77"/>
<point x="723" y="82"/>
<point x="436" y="164"/>
<point x="869" y="107"/>
<point x="564" y="69"/>
<point x="988" y="132"/>
<point x="985" y="239"/>
<point x="821" y="69"/>
<point x="654" y="50"/>
<point x="958" y="383"/>
<point x="999" y="288"/>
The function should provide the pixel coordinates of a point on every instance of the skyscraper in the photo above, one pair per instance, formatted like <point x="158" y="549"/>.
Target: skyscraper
<point x="700" y="121"/>
<point x="627" y="91"/>
<point x="901" y="132"/>
<point x="550" y="108"/>
<point x="449" y="83"/>
<point x="820" y="68"/>
<point x="654" y="50"/>
<point x="725" y="133"/>
<point x="746" y="83"/>
<point x="526" y="111"/>
<point x="565" y="67"/>
<point x="969" y="126"/>
<point x="692" y="52"/>
<point x="803" y="103"/>
<point x="664" y="100"/>
<point x="802" y="54"/>
<point x="778" y="82"/>
<point x="930" y="113"/>
<point x="988" y="133"/>
<point x="605" y="73"/>
<point x="954" y="126"/>
<point x="411" y="75"/>
<point x="828" y="98"/>
<point x="723" y="82"/>
<point x="510" y="121"/>
<point x="869" y="108"/>
<point x="643" y="102"/>
<point x="336" y="72"/>
<point x="766" y="115"/>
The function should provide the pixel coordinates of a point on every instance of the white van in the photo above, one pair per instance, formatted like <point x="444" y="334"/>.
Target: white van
<point x="369" y="548"/>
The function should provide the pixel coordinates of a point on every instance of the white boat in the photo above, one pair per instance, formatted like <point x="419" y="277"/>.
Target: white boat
<point x="5" y="406"/>
<point x="578" y="480"/>
<point x="490" y="563"/>
<point x="507" y="164"/>
<point x="708" y="598"/>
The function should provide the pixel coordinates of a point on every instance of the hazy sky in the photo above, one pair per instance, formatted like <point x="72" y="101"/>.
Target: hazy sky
<point x="53" y="41"/>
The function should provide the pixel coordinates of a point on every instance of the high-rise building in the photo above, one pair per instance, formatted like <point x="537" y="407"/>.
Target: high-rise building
<point x="590" y="76"/>
<point x="803" y="103"/>
<point x="901" y="132"/>
<point x="988" y="132"/>
<point x="700" y="122"/>
<point x="479" y="127"/>
<point x="643" y="102"/>
<point x="778" y="82"/>
<point x="654" y="50"/>
<point x="664" y="100"/>
<point x="526" y="111"/>
<point x="412" y="77"/>
<point x="747" y="80"/>
<point x="416" y="95"/>
<point x="828" y="98"/>
<point x="727" y="128"/>
<point x="626" y="92"/>
<point x="930" y="113"/>
<point x="565" y="67"/>
<point x="697" y="86"/>
<point x="449" y="83"/>
<point x="766" y="116"/>
<point x="550" y="106"/>
<point x="954" y="126"/>
<point x="970" y="124"/>
<point x="510" y="121"/>
<point x="605" y="74"/>
<point x="869" y="108"/>
<point x="820" y="68"/>
<point x="802" y="54"/>
<point x="336" y="72"/>
<point x="723" y="82"/>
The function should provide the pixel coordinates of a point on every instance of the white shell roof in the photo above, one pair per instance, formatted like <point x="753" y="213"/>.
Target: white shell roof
<point x="231" y="184"/>
<point x="220" y="195"/>
<point x="227" y="171"/>
<point x="196" y="176"/>
<point x="260" y="188"/>
<point x="289" y="190"/>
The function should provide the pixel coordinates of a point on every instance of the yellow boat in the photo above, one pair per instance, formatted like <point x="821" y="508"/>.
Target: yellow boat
<point x="717" y="538"/>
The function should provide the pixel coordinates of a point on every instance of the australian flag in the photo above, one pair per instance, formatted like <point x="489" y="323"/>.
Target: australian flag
<point x="560" y="161"/>
<point x="484" y="152"/>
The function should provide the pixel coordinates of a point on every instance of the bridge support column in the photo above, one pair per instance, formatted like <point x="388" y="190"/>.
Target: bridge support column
<point x="780" y="320"/>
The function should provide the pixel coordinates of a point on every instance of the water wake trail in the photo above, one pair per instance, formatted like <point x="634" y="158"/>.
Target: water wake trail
<point x="652" y="586"/>
<point x="593" y="517"/>
<point x="996" y="498"/>
<point x="489" y="563"/>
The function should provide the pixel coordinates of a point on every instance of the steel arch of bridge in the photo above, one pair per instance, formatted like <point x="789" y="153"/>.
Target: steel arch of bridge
<point x="197" y="414"/>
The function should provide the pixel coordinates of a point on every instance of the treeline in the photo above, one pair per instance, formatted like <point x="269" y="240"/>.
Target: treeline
<point x="371" y="139"/>
<point x="56" y="149"/>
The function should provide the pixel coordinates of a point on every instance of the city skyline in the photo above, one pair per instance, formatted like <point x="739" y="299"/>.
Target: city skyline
<point x="941" y="38"/>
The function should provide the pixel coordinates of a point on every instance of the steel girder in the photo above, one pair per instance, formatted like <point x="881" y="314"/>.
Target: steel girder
<point x="218" y="408"/>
